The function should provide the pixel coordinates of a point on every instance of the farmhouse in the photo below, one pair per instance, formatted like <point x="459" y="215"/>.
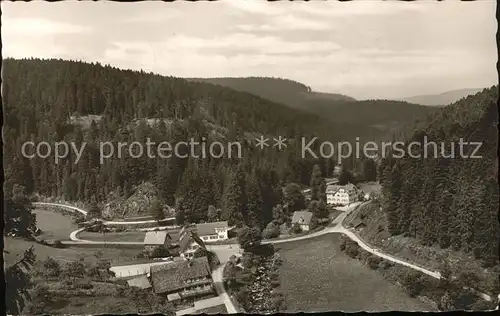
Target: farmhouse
<point x="183" y="279"/>
<point x="303" y="219"/>
<point x="154" y="239"/>
<point x="341" y="194"/>
<point x="210" y="232"/>
<point x="189" y="242"/>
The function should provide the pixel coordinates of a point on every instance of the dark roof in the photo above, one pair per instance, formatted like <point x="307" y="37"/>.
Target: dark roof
<point x="156" y="238"/>
<point x="358" y="223"/>
<point x="209" y="228"/>
<point x="333" y="188"/>
<point x="173" y="276"/>
<point x="186" y="237"/>
<point x="304" y="215"/>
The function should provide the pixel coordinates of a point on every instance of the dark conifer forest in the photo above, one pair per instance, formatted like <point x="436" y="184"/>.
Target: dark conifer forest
<point x="450" y="202"/>
<point x="50" y="100"/>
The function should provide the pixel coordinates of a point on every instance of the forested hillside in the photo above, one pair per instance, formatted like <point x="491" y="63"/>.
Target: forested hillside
<point x="50" y="100"/>
<point x="278" y="90"/>
<point x="373" y="119"/>
<point x="442" y="99"/>
<point x="450" y="202"/>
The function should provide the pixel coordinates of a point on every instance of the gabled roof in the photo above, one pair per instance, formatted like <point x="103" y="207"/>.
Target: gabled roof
<point x="173" y="276"/>
<point x="189" y="235"/>
<point x="304" y="215"/>
<point x="358" y="223"/>
<point x="210" y="228"/>
<point x="156" y="238"/>
<point x="333" y="188"/>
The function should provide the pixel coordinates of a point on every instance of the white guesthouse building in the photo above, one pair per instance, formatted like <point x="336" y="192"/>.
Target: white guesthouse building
<point x="191" y="238"/>
<point x="341" y="194"/>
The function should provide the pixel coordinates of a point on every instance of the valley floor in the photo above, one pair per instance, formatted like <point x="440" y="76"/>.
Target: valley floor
<point x="317" y="277"/>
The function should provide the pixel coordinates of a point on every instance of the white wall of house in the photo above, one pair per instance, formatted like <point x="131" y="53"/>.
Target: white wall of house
<point x="191" y="249"/>
<point x="221" y="235"/>
<point x="133" y="269"/>
<point x="304" y="227"/>
<point x="342" y="197"/>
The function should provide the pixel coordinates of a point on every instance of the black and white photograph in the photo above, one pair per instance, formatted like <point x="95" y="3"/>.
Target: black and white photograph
<point x="250" y="157"/>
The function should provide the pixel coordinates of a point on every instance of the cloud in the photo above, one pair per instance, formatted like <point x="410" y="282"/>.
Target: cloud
<point x="257" y="6"/>
<point x="287" y="22"/>
<point x="235" y="42"/>
<point x="362" y="48"/>
<point x="356" y="8"/>
<point x="39" y="26"/>
<point x="154" y="16"/>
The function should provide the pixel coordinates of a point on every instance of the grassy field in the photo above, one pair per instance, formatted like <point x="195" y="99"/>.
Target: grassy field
<point x="123" y="236"/>
<point x="113" y="236"/>
<point x="317" y="277"/>
<point x="54" y="225"/>
<point x="16" y="247"/>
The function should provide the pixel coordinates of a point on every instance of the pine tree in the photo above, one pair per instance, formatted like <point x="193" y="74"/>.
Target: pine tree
<point x="293" y="198"/>
<point x="233" y="200"/>
<point x="156" y="210"/>
<point x="369" y="170"/>
<point x="254" y="202"/>
<point x="316" y="183"/>
<point x="345" y="176"/>
<point x="392" y="201"/>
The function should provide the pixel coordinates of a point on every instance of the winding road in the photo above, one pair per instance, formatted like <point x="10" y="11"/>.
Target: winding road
<point x="225" y="251"/>
<point x="81" y="211"/>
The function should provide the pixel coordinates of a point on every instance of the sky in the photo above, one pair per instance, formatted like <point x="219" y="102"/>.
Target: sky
<point x="364" y="49"/>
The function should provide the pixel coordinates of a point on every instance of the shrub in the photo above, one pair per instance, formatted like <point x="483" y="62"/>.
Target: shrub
<point x="271" y="231"/>
<point x="374" y="262"/>
<point x="52" y="268"/>
<point x="352" y="249"/>
<point x="160" y="252"/>
<point x="468" y="278"/>
<point x="74" y="269"/>
<point x="59" y="244"/>
<point x="385" y="265"/>
<point x="343" y="245"/>
<point x="412" y="282"/>
<point x="296" y="229"/>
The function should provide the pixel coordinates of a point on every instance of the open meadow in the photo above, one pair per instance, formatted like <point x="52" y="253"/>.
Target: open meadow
<point x="317" y="277"/>
<point x="16" y="246"/>
<point x="54" y="225"/>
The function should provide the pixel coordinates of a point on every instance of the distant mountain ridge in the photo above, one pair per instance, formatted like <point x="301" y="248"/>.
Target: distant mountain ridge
<point x="372" y="119"/>
<point x="442" y="99"/>
<point x="285" y="91"/>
